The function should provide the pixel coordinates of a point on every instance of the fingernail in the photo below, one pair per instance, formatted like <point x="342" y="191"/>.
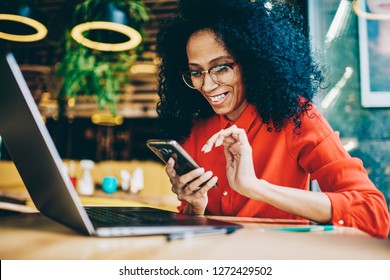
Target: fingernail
<point x="208" y="149"/>
<point x="219" y="142"/>
<point x="203" y="148"/>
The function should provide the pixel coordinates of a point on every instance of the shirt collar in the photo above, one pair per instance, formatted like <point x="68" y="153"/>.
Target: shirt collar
<point x="244" y="121"/>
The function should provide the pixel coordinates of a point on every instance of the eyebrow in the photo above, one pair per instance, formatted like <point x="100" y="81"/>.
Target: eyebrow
<point x="214" y="59"/>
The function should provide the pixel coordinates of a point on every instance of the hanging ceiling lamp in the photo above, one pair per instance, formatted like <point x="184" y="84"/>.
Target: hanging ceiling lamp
<point x="17" y="24"/>
<point x="108" y="32"/>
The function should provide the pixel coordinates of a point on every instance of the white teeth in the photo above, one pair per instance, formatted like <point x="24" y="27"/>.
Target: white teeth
<point x="217" y="98"/>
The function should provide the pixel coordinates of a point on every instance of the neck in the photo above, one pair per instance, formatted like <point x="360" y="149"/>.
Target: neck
<point x="237" y="113"/>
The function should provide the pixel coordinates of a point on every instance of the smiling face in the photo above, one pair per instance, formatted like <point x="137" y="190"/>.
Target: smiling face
<point x="205" y="52"/>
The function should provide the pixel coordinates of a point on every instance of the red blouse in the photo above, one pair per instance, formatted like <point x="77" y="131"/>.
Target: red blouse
<point x="288" y="159"/>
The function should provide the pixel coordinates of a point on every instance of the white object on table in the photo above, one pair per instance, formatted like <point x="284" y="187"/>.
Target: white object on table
<point x="137" y="180"/>
<point x="85" y="185"/>
<point x="125" y="179"/>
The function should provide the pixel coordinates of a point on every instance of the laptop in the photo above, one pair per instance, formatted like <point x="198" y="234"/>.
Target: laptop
<point x="41" y="168"/>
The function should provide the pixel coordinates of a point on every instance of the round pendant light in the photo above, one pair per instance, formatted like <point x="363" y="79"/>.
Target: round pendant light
<point x="21" y="18"/>
<point x="134" y="37"/>
<point x="108" y="30"/>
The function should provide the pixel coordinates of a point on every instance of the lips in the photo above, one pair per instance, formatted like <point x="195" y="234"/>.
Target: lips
<point x="218" y="98"/>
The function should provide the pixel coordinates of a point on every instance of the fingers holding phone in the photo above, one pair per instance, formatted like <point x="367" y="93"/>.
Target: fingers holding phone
<point x="189" y="181"/>
<point x="178" y="178"/>
<point x="191" y="187"/>
<point x="182" y="163"/>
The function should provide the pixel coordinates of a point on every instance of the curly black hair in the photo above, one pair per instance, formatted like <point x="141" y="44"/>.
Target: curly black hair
<point x="270" y="41"/>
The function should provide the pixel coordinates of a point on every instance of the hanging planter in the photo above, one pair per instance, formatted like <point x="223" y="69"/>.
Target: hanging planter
<point x="87" y="68"/>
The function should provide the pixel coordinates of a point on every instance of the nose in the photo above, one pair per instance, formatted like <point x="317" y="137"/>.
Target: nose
<point x="208" y="83"/>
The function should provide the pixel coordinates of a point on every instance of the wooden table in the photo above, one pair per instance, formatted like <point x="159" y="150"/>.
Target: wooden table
<point x="33" y="236"/>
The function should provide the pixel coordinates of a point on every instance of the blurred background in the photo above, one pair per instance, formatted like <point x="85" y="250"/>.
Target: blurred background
<point x="72" y="83"/>
<point x="99" y="103"/>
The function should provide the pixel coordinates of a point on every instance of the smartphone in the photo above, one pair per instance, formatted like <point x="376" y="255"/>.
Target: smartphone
<point x="167" y="148"/>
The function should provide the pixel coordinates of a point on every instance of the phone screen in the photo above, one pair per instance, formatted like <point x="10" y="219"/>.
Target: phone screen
<point x="166" y="149"/>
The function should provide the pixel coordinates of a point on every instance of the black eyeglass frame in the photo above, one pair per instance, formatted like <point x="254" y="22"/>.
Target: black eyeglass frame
<point x="231" y="65"/>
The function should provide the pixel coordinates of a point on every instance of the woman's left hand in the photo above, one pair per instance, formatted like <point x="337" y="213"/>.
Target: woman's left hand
<point x="239" y="162"/>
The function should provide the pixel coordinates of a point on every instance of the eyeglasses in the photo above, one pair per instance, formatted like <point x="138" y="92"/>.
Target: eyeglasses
<point x="222" y="74"/>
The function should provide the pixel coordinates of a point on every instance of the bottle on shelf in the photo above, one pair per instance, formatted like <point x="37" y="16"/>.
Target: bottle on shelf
<point x="86" y="185"/>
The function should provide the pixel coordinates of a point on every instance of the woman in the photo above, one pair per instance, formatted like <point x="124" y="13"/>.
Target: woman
<point x="236" y="85"/>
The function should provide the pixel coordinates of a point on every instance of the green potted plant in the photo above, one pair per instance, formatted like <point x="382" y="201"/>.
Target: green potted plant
<point x="96" y="73"/>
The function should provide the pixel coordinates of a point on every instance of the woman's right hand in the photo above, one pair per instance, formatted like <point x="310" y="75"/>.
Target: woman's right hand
<point x="191" y="187"/>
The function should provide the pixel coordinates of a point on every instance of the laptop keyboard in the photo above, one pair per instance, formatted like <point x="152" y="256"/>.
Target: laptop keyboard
<point x="120" y="216"/>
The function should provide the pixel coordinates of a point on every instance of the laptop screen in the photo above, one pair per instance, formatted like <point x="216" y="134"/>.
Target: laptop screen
<point x="32" y="150"/>
<point x="41" y="168"/>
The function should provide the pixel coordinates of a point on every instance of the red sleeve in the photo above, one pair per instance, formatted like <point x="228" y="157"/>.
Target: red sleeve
<point x="356" y="202"/>
<point x="182" y="206"/>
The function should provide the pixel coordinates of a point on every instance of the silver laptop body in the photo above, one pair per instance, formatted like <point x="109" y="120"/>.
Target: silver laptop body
<point x="40" y="166"/>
